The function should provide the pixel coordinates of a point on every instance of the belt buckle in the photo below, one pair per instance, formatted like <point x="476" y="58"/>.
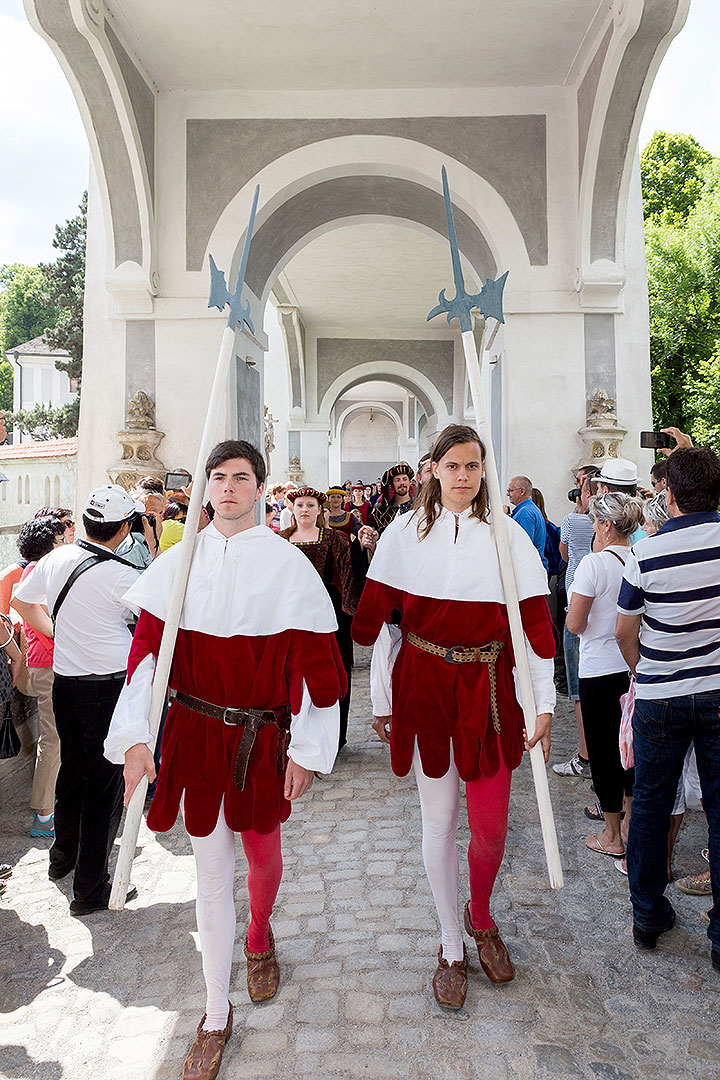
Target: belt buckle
<point x="229" y="723"/>
<point x="449" y="658"/>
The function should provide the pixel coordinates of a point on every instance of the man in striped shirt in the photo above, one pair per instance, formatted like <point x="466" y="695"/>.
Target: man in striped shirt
<point x="668" y="629"/>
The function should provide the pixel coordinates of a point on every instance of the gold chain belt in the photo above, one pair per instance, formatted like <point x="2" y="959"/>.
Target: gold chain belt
<point x="468" y="654"/>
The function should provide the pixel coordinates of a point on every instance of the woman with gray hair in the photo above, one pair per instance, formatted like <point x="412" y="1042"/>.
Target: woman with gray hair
<point x="655" y="513"/>
<point x="604" y="675"/>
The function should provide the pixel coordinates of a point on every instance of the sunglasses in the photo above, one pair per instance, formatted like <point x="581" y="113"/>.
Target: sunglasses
<point x="68" y="525"/>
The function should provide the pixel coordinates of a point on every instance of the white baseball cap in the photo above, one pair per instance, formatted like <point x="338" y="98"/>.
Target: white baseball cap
<point x="111" y="503"/>
<point x="619" y="471"/>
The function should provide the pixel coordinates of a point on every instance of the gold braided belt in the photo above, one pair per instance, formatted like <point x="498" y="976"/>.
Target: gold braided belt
<point x="468" y="654"/>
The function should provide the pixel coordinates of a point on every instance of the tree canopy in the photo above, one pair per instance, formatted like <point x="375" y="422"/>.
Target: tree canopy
<point x="26" y="310"/>
<point x="672" y="169"/>
<point x="682" y="236"/>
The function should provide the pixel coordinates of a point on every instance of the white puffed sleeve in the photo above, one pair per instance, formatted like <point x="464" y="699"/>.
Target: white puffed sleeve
<point x="314" y="735"/>
<point x="384" y="654"/>
<point x="542" y="674"/>
<point x="129" y="724"/>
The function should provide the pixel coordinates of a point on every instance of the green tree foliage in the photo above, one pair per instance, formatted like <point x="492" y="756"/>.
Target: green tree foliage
<point x="44" y="422"/>
<point x="26" y="310"/>
<point x="6" y="386"/>
<point x="65" y="290"/>
<point x="672" y="170"/>
<point x="684" y="289"/>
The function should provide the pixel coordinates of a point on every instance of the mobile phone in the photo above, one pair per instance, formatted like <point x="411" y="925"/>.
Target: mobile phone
<point x="655" y="440"/>
<point x="175" y="481"/>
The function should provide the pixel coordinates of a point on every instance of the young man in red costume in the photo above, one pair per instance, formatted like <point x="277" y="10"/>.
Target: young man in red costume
<point x="256" y="679"/>
<point x="443" y="690"/>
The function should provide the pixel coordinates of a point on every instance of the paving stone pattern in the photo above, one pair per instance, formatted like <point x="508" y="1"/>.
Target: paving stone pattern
<point x="117" y="996"/>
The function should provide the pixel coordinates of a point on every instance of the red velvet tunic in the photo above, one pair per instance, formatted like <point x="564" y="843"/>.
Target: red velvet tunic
<point x="438" y="702"/>
<point x="198" y="752"/>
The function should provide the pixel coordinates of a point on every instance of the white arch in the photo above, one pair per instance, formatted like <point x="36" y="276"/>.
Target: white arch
<point x="335" y="448"/>
<point x="384" y="370"/>
<point x="374" y="155"/>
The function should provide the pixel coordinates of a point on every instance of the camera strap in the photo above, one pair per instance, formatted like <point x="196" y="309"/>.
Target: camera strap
<point x="98" y="556"/>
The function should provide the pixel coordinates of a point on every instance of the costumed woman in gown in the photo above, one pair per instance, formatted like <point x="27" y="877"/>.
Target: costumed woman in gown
<point x="443" y="690"/>
<point x="329" y="552"/>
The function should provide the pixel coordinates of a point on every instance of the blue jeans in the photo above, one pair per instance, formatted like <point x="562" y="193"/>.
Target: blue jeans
<point x="571" y="648"/>
<point x="662" y="733"/>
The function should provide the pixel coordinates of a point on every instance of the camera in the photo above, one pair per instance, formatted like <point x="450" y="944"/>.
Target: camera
<point x="574" y="494"/>
<point x="176" y="481"/>
<point x="655" y="440"/>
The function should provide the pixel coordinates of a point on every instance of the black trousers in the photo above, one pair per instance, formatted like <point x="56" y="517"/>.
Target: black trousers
<point x="345" y="645"/>
<point x="89" y="789"/>
<point x="601" y="712"/>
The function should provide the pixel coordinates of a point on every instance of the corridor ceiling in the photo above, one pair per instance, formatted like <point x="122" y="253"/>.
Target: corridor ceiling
<point x="282" y="45"/>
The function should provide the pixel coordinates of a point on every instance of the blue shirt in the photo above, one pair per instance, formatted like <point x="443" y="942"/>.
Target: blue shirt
<point x="672" y="580"/>
<point x="529" y="517"/>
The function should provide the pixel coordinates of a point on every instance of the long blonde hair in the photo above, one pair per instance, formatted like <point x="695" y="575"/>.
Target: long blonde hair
<point x="429" y="502"/>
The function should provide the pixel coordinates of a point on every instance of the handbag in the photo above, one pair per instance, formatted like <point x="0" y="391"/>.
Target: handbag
<point x="9" y="738"/>
<point x="627" y="706"/>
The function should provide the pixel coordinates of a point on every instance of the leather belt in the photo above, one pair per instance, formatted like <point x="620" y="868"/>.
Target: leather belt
<point x="251" y="721"/>
<point x="468" y="654"/>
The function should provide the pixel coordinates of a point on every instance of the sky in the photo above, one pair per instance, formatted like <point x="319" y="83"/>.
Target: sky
<point x="44" y="157"/>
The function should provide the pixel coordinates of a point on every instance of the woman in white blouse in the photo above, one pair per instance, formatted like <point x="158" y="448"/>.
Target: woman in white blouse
<point x="604" y="675"/>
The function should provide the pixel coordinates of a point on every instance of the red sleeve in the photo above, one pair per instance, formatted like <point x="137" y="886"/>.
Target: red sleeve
<point x="538" y="626"/>
<point x="315" y="658"/>
<point x="146" y="640"/>
<point x="376" y="607"/>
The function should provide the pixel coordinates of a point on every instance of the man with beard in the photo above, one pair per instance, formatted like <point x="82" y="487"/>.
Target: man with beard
<point x="395" y="496"/>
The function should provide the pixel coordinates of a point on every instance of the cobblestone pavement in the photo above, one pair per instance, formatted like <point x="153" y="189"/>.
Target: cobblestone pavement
<point x="118" y="995"/>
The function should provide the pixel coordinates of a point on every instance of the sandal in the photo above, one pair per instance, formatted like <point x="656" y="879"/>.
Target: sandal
<point x="600" y="848"/>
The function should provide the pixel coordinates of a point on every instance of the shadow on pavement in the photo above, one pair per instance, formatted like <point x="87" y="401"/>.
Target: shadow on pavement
<point x="29" y="966"/>
<point x="17" y="1062"/>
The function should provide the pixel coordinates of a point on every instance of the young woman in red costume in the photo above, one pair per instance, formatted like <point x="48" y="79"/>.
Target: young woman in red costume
<point x="443" y="689"/>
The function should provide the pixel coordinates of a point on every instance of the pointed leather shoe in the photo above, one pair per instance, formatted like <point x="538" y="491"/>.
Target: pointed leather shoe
<point x="450" y="981"/>
<point x="263" y="973"/>
<point x="494" y="957"/>
<point x="205" y="1054"/>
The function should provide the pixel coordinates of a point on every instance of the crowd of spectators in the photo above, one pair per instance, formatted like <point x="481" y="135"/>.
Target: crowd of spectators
<point x="634" y="583"/>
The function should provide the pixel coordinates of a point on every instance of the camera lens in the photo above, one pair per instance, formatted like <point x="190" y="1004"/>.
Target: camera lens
<point x="574" y="494"/>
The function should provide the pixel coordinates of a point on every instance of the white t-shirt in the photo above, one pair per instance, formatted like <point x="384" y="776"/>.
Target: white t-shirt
<point x="600" y="575"/>
<point x="92" y="636"/>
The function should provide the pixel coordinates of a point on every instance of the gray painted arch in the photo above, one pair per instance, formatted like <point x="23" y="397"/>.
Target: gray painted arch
<point x="509" y="152"/>
<point x="56" y="21"/>
<point x="432" y="358"/>
<point x="656" y="22"/>
<point x="142" y="100"/>
<point x="353" y="197"/>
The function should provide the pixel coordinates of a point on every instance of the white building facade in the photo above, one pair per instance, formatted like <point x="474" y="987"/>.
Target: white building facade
<point x="37" y="380"/>
<point x="345" y="119"/>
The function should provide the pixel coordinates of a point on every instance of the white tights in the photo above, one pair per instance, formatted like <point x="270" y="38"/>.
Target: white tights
<point x="440" y="804"/>
<point x="215" y="907"/>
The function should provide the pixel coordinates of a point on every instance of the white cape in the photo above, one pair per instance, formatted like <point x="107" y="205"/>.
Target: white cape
<point x="447" y="566"/>
<point x="254" y="583"/>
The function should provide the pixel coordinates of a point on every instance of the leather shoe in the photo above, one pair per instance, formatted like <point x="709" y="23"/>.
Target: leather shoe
<point x="450" y="981"/>
<point x="263" y="973"/>
<point x="648" y="939"/>
<point x="57" y="873"/>
<point x="715" y="959"/>
<point x="205" y="1054"/>
<point x="494" y="957"/>
<point x="78" y="908"/>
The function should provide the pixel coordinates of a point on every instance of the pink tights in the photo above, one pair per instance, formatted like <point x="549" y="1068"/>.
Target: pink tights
<point x="215" y="907"/>
<point x="487" y="805"/>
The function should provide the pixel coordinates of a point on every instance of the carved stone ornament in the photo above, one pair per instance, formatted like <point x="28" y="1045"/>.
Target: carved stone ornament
<point x="602" y="435"/>
<point x="140" y="412"/>
<point x="294" y="471"/>
<point x="138" y="442"/>
<point x="269" y="422"/>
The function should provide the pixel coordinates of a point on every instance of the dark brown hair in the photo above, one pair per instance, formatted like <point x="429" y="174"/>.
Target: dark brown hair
<point x="237" y="448"/>
<point x="693" y="476"/>
<point x="430" y="497"/>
